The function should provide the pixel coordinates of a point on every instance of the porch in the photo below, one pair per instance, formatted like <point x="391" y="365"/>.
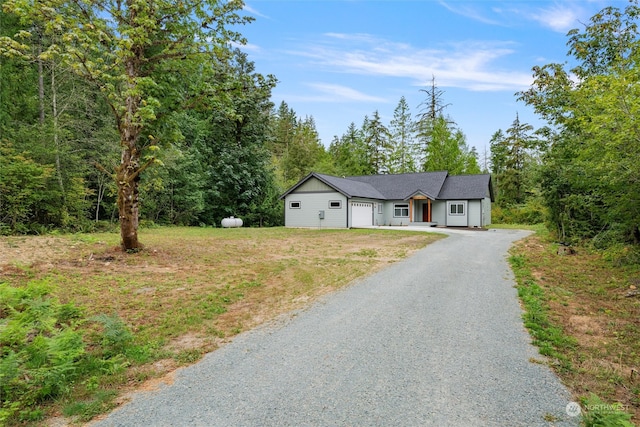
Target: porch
<point x="423" y="224"/>
<point x="420" y="211"/>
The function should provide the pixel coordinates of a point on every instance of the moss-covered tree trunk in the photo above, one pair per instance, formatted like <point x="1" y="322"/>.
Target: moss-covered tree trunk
<point x="128" y="172"/>
<point x="127" y="176"/>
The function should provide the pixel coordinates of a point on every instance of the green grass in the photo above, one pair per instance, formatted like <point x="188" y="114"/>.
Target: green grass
<point x="577" y="315"/>
<point x="141" y="315"/>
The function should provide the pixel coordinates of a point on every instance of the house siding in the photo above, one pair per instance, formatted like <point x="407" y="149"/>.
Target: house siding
<point x="457" y="220"/>
<point x="310" y="205"/>
<point x="314" y="185"/>
<point x="475" y="213"/>
<point x="380" y="194"/>
<point x="379" y="218"/>
<point x="439" y="212"/>
<point x="486" y="208"/>
<point x="390" y="217"/>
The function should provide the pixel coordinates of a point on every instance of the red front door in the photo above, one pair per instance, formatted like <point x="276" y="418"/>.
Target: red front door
<point x="425" y="212"/>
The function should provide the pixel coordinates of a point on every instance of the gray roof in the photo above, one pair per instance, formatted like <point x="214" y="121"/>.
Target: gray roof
<point x="351" y="187"/>
<point x="466" y="187"/>
<point x="435" y="185"/>
<point x="403" y="186"/>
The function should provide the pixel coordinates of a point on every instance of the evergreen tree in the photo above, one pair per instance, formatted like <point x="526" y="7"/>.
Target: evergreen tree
<point x="402" y="155"/>
<point x="377" y="142"/>
<point x="349" y="153"/>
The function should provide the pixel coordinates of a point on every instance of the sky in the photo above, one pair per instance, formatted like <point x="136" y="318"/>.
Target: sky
<point x="341" y="60"/>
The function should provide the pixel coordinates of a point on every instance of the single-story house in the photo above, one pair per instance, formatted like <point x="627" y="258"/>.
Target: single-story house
<point x="427" y="198"/>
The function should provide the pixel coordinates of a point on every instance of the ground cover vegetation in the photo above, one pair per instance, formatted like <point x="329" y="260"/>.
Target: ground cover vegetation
<point x="583" y="313"/>
<point x="82" y="321"/>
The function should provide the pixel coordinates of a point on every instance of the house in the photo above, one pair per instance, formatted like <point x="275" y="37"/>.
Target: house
<point x="427" y="198"/>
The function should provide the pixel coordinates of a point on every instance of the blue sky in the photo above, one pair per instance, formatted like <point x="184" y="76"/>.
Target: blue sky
<point x="340" y="60"/>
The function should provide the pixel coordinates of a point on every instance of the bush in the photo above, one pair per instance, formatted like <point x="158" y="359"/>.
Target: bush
<point x="532" y="212"/>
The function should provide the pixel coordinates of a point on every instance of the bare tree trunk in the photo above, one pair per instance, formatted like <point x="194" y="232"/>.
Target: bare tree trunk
<point x="56" y="137"/>
<point x="102" y="187"/>
<point x="40" y="82"/>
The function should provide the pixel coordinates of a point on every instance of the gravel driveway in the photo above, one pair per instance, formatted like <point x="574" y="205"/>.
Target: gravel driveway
<point x="434" y="340"/>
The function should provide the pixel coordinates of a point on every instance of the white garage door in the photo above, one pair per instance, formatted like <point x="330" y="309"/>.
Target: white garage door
<point x="361" y="214"/>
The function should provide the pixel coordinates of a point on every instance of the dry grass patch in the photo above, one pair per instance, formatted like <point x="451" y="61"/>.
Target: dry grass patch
<point x="587" y="298"/>
<point x="191" y="289"/>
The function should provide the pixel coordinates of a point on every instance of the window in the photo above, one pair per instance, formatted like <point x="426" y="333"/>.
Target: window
<point x="380" y="208"/>
<point x="335" y="204"/>
<point x="294" y="205"/>
<point x="401" y="210"/>
<point x="456" y="209"/>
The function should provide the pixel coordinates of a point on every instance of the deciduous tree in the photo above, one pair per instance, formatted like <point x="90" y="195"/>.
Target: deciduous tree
<point x="137" y="52"/>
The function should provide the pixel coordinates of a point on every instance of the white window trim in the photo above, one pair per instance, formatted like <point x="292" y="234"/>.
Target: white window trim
<point x="457" y="205"/>
<point x="294" y="207"/>
<point x="380" y="210"/>
<point x="401" y="206"/>
<point x="339" y="202"/>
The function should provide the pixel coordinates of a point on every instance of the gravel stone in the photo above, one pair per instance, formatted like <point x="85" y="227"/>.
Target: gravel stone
<point x="434" y="340"/>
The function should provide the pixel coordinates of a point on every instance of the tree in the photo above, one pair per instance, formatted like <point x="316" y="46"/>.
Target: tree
<point x="349" y="153"/>
<point x="403" y="147"/>
<point x="21" y="180"/>
<point x="445" y="148"/>
<point x="137" y="52"/>
<point x="596" y="147"/>
<point x="517" y="144"/>
<point x="433" y="106"/>
<point x="376" y="138"/>
<point x="232" y="148"/>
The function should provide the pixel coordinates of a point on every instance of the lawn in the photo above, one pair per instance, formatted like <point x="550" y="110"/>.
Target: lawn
<point x="583" y="312"/>
<point x="188" y="292"/>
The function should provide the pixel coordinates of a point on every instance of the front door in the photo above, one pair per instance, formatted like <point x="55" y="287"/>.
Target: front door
<point x="425" y="212"/>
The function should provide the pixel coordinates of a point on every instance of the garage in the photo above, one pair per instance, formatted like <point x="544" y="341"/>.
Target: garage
<point x="361" y="214"/>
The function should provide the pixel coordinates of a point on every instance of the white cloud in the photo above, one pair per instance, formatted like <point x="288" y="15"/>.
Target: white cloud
<point x="253" y="11"/>
<point x="329" y="92"/>
<point x="559" y="17"/>
<point x="470" y="65"/>
<point x="472" y="11"/>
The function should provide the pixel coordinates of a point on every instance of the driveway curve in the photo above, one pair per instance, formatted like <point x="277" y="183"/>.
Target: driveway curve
<point x="434" y="340"/>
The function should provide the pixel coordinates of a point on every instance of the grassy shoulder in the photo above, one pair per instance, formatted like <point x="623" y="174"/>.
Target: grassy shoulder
<point x="91" y="323"/>
<point x="582" y="313"/>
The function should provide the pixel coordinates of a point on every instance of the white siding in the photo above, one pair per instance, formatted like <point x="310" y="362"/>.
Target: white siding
<point x="310" y="205"/>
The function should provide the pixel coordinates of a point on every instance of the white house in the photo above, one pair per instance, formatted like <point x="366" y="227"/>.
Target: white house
<point x="427" y="198"/>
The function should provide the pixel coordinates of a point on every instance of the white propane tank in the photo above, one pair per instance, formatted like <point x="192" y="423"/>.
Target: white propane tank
<point x="231" y="222"/>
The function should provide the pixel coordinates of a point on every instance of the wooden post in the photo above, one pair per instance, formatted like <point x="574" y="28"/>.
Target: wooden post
<point x="429" y="210"/>
<point x="411" y="210"/>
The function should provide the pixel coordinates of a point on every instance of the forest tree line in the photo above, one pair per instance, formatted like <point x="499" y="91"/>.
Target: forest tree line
<point x="228" y="150"/>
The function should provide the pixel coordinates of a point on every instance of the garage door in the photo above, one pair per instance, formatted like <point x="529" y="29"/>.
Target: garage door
<point x="361" y="214"/>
